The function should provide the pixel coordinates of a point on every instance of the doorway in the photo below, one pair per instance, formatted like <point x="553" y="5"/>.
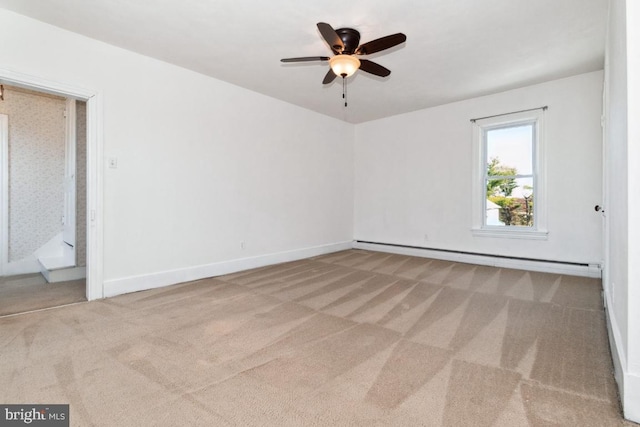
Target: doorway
<point x="4" y="196"/>
<point x="42" y="264"/>
<point x="94" y="172"/>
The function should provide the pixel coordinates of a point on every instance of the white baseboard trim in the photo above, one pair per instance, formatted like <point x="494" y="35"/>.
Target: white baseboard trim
<point x="628" y="383"/>
<point x="615" y="341"/>
<point x="171" y="277"/>
<point x="27" y="265"/>
<point x="631" y="402"/>
<point x="518" y="264"/>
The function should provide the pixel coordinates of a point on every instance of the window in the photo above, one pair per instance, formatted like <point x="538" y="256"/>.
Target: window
<point x="509" y="197"/>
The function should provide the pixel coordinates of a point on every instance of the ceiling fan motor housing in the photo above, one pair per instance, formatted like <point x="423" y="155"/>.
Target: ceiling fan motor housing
<point x="350" y="38"/>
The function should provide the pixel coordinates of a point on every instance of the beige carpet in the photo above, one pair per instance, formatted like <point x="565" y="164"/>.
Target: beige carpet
<point x="350" y="339"/>
<point x="27" y="292"/>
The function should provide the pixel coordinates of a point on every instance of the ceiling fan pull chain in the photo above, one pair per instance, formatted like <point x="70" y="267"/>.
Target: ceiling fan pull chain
<point x="344" y="90"/>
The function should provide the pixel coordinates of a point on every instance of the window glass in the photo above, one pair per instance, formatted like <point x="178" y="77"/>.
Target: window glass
<point x="513" y="146"/>
<point x="509" y="176"/>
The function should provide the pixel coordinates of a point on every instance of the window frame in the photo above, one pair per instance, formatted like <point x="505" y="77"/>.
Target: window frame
<point x="479" y="200"/>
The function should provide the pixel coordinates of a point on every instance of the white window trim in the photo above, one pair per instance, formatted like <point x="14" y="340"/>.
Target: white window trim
<point x="539" y="230"/>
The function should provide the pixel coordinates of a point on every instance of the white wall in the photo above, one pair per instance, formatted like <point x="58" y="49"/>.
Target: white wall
<point x="632" y="398"/>
<point x="413" y="174"/>
<point x="622" y="180"/>
<point x="202" y="164"/>
<point x="615" y="139"/>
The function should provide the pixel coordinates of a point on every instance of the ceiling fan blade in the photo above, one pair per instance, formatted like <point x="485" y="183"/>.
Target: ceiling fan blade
<point x="331" y="37"/>
<point x="381" y="44"/>
<point x="306" y="59"/>
<point x="373" y="68"/>
<point x="329" y="77"/>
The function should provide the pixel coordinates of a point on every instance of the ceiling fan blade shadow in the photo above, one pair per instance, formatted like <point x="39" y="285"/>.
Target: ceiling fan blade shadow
<point x="374" y="68"/>
<point x="331" y="37"/>
<point x="306" y="59"/>
<point x="381" y="44"/>
<point x="329" y="77"/>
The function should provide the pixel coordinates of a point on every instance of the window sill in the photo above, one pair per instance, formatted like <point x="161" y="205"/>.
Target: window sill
<point x="510" y="233"/>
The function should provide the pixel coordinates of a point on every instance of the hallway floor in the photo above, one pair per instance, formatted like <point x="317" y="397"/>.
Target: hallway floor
<point x="29" y="292"/>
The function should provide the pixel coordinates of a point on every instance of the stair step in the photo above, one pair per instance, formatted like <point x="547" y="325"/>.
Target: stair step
<point x="56" y="263"/>
<point x="64" y="274"/>
<point x="61" y="268"/>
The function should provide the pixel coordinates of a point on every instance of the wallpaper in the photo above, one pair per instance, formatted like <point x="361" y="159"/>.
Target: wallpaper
<point x="81" y="184"/>
<point x="36" y="169"/>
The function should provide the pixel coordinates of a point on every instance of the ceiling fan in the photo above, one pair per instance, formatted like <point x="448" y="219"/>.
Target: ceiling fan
<point x="345" y="44"/>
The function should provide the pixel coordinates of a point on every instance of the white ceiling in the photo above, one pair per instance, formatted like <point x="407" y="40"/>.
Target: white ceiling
<point x="455" y="49"/>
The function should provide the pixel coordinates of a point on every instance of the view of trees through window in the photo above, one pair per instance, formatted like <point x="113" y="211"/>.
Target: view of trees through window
<point x="509" y="176"/>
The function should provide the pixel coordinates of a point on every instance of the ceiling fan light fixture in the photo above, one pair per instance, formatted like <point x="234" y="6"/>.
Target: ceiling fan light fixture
<point x="344" y="65"/>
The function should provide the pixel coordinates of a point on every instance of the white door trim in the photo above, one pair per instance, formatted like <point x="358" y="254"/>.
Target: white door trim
<point x="4" y="192"/>
<point x="95" y="170"/>
<point x="69" y="227"/>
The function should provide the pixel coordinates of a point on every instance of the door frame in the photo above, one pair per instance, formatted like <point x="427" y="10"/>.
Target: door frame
<point x="4" y="192"/>
<point x="606" y="231"/>
<point x="95" y="167"/>
<point x="70" y="171"/>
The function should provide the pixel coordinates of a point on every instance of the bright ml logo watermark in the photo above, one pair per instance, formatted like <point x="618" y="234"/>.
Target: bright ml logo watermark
<point x="34" y="415"/>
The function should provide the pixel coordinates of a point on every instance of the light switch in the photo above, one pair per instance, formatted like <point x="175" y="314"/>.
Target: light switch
<point x="113" y="162"/>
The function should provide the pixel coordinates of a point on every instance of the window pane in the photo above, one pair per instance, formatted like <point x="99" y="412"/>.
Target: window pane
<point x="510" y="202"/>
<point x="510" y="150"/>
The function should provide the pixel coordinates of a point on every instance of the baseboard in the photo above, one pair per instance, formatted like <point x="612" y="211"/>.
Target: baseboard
<point x="615" y="340"/>
<point x="502" y="262"/>
<point x="617" y="354"/>
<point x="165" y="278"/>
<point x="27" y="265"/>
<point x="628" y="383"/>
<point x="631" y="402"/>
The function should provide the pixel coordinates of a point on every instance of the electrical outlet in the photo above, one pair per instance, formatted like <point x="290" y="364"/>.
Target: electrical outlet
<point x="113" y="162"/>
<point x="242" y="245"/>
<point x="426" y="237"/>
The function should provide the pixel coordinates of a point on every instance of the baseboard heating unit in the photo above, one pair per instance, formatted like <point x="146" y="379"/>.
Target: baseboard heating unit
<point x="547" y="266"/>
